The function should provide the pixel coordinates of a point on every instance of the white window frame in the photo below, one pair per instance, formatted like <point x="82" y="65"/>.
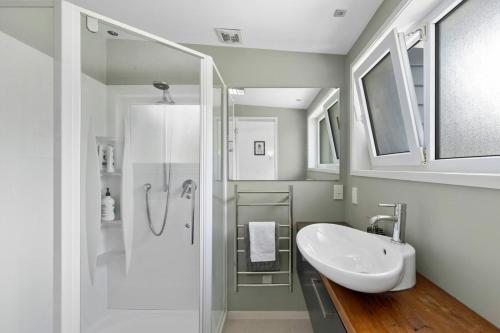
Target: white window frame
<point x="486" y="164"/>
<point x="318" y="143"/>
<point x="412" y="15"/>
<point x="395" y="45"/>
<point x="329" y="103"/>
<point x="314" y="137"/>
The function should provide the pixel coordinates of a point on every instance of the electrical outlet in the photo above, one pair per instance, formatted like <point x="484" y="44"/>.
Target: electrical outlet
<point x="338" y="192"/>
<point x="354" y="196"/>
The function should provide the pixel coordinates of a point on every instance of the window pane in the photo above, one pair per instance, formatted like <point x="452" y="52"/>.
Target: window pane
<point x="467" y="93"/>
<point x="384" y="109"/>
<point x="416" y="56"/>
<point x="325" y="152"/>
<point x="333" y="113"/>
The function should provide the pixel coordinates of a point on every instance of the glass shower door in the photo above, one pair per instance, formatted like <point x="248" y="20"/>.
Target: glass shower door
<point x="218" y="286"/>
<point x="141" y="182"/>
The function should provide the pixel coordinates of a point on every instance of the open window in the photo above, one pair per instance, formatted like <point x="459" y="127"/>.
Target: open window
<point x="332" y="117"/>
<point x="425" y="90"/>
<point x="324" y="124"/>
<point x="389" y="105"/>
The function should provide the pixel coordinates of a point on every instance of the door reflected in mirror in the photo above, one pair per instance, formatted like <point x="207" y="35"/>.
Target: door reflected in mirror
<point x="283" y="134"/>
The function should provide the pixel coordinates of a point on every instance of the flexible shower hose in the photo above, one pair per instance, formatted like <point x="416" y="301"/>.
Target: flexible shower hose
<point x="165" y="215"/>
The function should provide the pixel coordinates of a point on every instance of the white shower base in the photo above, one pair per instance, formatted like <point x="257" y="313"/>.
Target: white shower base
<point x="147" y="321"/>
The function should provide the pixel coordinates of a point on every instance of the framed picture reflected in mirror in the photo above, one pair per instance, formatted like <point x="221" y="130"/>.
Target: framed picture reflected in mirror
<point x="259" y="148"/>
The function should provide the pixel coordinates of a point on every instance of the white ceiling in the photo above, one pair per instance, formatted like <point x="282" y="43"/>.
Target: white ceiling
<point x="278" y="97"/>
<point x="291" y="25"/>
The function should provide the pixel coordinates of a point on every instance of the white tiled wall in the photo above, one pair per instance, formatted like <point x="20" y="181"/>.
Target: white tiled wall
<point x="26" y="189"/>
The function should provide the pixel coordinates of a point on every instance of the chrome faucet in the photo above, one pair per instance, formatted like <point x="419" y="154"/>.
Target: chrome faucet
<point x="399" y="220"/>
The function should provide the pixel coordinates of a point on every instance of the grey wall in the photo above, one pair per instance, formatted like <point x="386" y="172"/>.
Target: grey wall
<point x="313" y="200"/>
<point x="292" y="138"/>
<point x="32" y="26"/>
<point x="142" y="62"/>
<point x="267" y="68"/>
<point x="454" y="229"/>
<point x="94" y="54"/>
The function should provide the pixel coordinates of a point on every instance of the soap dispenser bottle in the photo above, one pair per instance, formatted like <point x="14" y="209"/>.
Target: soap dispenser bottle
<point x="108" y="207"/>
<point x="110" y="159"/>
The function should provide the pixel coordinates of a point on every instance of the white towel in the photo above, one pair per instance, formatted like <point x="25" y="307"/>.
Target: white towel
<point x="262" y="241"/>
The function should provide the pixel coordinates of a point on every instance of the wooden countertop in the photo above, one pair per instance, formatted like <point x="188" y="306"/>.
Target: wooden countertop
<point x="424" y="308"/>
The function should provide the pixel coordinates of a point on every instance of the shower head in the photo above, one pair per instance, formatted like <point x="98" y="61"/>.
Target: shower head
<point x="163" y="86"/>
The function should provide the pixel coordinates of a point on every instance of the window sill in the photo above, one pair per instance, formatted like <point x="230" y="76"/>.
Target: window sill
<point x="334" y="171"/>
<point x="449" y="178"/>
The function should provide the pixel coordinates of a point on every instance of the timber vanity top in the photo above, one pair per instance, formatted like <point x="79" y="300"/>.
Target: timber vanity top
<point x="424" y="308"/>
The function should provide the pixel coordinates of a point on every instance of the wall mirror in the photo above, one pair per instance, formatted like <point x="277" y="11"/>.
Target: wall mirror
<point x="283" y="133"/>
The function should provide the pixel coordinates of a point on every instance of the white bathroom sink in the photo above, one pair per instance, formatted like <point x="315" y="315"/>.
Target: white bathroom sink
<point x="358" y="260"/>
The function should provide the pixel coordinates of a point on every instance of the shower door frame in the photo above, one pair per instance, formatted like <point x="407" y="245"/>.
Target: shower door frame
<point x="67" y="128"/>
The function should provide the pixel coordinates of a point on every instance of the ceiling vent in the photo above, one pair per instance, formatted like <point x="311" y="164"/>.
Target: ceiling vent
<point x="339" y="13"/>
<point x="229" y="36"/>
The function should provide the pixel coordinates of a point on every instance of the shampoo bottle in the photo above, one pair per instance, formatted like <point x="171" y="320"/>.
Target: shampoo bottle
<point x="108" y="207"/>
<point x="110" y="159"/>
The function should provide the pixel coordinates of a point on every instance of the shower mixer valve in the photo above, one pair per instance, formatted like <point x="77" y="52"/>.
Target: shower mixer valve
<point x="188" y="191"/>
<point x="188" y="188"/>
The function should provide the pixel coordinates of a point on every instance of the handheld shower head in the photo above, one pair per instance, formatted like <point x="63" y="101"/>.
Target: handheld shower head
<point x="163" y="86"/>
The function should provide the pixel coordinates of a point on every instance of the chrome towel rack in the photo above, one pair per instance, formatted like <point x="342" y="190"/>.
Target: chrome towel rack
<point x="239" y="238"/>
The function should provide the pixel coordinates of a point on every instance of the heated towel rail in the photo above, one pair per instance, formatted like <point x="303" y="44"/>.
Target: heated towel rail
<point x="239" y="237"/>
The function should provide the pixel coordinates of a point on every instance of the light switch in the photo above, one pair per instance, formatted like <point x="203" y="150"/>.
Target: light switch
<point x="338" y="192"/>
<point x="354" y="196"/>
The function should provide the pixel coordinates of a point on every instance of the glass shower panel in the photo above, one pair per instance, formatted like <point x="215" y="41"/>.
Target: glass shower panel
<point x="218" y="226"/>
<point x="26" y="169"/>
<point x="140" y="184"/>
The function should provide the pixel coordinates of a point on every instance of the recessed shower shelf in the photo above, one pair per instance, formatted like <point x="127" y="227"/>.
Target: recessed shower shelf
<point x="116" y="173"/>
<point x="103" y="258"/>
<point x="110" y="224"/>
<point x="109" y="139"/>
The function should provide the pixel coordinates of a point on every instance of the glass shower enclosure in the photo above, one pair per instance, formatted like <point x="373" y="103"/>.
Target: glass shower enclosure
<point x="145" y="150"/>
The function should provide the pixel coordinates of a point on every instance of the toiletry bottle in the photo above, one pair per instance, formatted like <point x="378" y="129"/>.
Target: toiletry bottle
<point x="100" y="154"/>
<point x="104" y="157"/>
<point x="110" y="162"/>
<point x="108" y="207"/>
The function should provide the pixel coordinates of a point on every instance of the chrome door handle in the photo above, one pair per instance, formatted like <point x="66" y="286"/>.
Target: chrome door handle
<point x="193" y="202"/>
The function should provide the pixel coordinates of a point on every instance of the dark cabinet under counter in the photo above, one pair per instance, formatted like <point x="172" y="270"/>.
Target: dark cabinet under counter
<point x="324" y="317"/>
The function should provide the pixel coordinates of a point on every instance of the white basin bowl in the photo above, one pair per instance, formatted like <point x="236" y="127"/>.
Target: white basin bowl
<point x="358" y="260"/>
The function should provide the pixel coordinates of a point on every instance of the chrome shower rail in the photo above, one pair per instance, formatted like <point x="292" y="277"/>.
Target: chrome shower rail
<point x="287" y="251"/>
